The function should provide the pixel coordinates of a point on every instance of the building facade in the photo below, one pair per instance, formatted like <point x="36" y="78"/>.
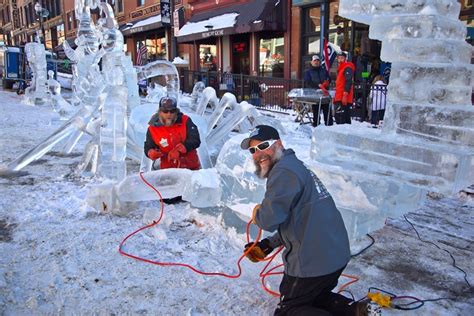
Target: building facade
<point x="274" y="38"/>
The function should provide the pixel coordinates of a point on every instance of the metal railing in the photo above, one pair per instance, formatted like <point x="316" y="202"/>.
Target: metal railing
<point x="266" y="93"/>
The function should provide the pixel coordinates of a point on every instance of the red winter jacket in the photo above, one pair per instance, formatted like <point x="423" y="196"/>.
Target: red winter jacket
<point x="165" y="139"/>
<point x="343" y="83"/>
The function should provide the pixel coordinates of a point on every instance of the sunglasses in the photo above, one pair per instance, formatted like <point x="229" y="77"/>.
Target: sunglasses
<point x="262" y="146"/>
<point x="173" y="111"/>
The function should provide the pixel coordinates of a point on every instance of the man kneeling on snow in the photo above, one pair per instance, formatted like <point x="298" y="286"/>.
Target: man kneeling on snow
<point x="309" y="226"/>
<point x="172" y="138"/>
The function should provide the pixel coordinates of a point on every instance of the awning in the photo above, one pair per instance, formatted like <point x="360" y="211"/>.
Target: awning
<point x="147" y="24"/>
<point x="254" y="16"/>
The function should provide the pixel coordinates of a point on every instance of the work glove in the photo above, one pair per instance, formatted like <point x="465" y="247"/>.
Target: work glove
<point x="260" y="251"/>
<point x="174" y="154"/>
<point x="344" y="98"/>
<point x="154" y="154"/>
<point x="254" y="213"/>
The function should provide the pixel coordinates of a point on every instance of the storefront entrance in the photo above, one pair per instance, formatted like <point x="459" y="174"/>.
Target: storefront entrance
<point x="240" y="54"/>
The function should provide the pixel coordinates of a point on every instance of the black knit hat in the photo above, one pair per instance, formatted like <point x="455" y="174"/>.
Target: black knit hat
<point x="262" y="133"/>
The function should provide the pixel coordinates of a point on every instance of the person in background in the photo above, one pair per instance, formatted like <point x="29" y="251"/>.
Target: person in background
<point x="172" y="138"/>
<point x="254" y="90"/>
<point x="309" y="225"/>
<point x="344" y="89"/>
<point x="228" y="79"/>
<point x="317" y="77"/>
<point x="378" y="97"/>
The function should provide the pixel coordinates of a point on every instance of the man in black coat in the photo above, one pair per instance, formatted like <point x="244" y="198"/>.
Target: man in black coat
<point x="317" y="77"/>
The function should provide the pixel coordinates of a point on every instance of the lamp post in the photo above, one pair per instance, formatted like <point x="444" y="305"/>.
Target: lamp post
<point x="41" y="14"/>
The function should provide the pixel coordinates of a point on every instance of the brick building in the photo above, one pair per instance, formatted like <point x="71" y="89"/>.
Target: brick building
<point x="276" y="38"/>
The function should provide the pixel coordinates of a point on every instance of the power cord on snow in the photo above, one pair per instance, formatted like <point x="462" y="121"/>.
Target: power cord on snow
<point x="363" y="250"/>
<point x="434" y="244"/>
<point x="263" y="274"/>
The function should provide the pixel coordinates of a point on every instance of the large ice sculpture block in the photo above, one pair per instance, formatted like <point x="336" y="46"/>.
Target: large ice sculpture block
<point x="236" y="169"/>
<point x="365" y="199"/>
<point x="364" y="10"/>
<point x="448" y="84"/>
<point x="425" y="50"/>
<point x="449" y="124"/>
<point x="201" y="188"/>
<point x="438" y="167"/>
<point x="417" y="27"/>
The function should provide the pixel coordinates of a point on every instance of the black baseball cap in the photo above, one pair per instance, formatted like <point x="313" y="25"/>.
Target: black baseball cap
<point x="262" y="133"/>
<point x="168" y="103"/>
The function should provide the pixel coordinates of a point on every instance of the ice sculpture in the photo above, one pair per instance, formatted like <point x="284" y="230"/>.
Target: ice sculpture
<point x="427" y="139"/>
<point x="200" y="187"/>
<point x="113" y="130"/>
<point x="37" y="92"/>
<point x="162" y="68"/>
<point x="64" y="108"/>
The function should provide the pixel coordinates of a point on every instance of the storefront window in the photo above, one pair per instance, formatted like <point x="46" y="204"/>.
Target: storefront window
<point x="60" y="32"/>
<point x="271" y="57"/>
<point x="48" y="42"/>
<point x="208" y="57"/>
<point x="156" y="47"/>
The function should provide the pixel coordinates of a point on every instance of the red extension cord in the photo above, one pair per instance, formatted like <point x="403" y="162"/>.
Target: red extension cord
<point x="263" y="274"/>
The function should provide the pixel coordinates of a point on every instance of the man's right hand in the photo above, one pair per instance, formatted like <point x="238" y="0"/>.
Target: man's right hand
<point x="154" y="154"/>
<point x="260" y="251"/>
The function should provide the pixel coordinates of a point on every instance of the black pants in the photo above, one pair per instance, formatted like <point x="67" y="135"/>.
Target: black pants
<point x="343" y="113"/>
<point x="312" y="296"/>
<point x="326" y="113"/>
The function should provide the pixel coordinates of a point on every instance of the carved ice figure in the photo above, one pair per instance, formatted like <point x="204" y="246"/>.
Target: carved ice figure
<point x="60" y="105"/>
<point x="162" y="68"/>
<point x="207" y="96"/>
<point x="37" y="92"/>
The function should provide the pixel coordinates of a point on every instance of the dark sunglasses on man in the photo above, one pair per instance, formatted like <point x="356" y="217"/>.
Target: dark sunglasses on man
<point x="173" y="111"/>
<point x="262" y="146"/>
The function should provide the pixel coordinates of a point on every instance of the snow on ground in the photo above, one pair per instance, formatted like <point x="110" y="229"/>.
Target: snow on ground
<point x="61" y="257"/>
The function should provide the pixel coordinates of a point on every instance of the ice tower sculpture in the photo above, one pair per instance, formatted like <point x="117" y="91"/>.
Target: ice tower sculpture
<point x="427" y="141"/>
<point x="37" y="92"/>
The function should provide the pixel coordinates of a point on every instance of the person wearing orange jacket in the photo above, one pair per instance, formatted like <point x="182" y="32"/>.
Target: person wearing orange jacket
<point x="172" y="138"/>
<point x="344" y="89"/>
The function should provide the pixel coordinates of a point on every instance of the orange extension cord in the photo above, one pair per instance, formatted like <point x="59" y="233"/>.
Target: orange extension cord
<point x="263" y="274"/>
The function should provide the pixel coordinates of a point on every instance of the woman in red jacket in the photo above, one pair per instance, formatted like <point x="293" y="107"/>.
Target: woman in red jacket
<point x="172" y="137"/>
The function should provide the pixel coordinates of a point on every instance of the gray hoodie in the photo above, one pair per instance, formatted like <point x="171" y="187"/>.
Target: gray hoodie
<point x="308" y="222"/>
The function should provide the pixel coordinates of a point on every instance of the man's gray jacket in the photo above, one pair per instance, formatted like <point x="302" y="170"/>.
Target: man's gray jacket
<point x="308" y="222"/>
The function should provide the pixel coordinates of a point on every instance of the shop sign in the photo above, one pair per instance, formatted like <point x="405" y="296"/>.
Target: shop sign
<point x="145" y="11"/>
<point x="240" y="47"/>
<point x="178" y="20"/>
<point x="212" y="33"/>
<point x="306" y="2"/>
<point x="16" y="15"/>
<point x="165" y="11"/>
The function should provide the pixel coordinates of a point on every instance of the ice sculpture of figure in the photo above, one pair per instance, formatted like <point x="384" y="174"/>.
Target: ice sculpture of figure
<point x="64" y="109"/>
<point x="113" y="129"/>
<point x="37" y="92"/>
<point x="427" y="140"/>
<point x="162" y="68"/>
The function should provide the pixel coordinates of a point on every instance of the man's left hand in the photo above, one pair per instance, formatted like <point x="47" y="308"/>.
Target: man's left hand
<point x="181" y="148"/>
<point x="173" y="155"/>
<point x="254" y="213"/>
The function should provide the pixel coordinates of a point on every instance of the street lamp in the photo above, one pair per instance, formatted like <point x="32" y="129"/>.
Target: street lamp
<point x="42" y="13"/>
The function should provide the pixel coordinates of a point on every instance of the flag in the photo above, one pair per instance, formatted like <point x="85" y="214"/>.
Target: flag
<point x="141" y="54"/>
<point x="329" y="54"/>
<point x="326" y="55"/>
